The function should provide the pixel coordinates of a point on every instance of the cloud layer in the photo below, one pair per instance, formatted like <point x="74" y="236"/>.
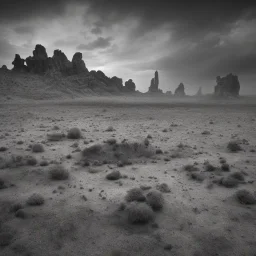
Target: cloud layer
<point x="190" y="42"/>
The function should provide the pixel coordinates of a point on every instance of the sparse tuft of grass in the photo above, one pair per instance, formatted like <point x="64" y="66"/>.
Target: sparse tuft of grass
<point x="237" y="175"/>
<point x="233" y="146"/>
<point x="74" y="133"/>
<point x="35" y="200"/>
<point x="58" y="172"/>
<point x="197" y="176"/>
<point x="245" y="197"/>
<point x="37" y="148"/>
<point x="110" y="129"/>
<point x="135" y="194"/>
<point x="209" y="167"/>
<point x="139" y="213"/>
<point x="44" y="163"/>
<point x="155" y="199"/>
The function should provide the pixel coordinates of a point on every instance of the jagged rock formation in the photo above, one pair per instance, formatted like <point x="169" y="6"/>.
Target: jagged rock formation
<point x="18" y="64"/>
<point x="130" y="86"/>
<point x="227" y="86"/>
<point x="4" y="67"/>
<point x="199" y="92"/>
<point x="39" y="63"/>
<point x="154" y="84"/>
<point x="180" y="90"/>
<point x="78" y="63"/>
<point x="72" y="75"/>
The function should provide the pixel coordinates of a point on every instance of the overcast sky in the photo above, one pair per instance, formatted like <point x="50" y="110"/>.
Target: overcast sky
<point x="186" y="41"/>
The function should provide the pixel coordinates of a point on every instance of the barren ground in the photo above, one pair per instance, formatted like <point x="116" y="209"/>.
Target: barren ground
<point x="198" y="218"/>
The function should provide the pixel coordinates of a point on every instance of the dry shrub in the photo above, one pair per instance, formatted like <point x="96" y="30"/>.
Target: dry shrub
<point x="35" y="200"/>
<point x="37" y="148"/>
<point x="155" y="199"/>
<point x="245" y="197"/>
<point x="58" y="172"/>
<point x="135" y="194"/>
<point x="190" y="168"/>
<point x="114" y="175"/>
<point x="74" y="133"/>
<point x="139" y="213"/>
<point x="94" y="149"/>
<point x="233" y="146"/>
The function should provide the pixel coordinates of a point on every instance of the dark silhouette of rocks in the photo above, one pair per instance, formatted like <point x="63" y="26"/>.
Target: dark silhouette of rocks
<point x="39" y="63"/>
<point x="169" y="93"/>
<point x="227" y="86"/>
<point x="78" y="63"/>
<point x="130" y="86"/>
<point x="180" y="90"/>
<point x="4" y="67"/>
<point x="18" y="64"/>
<point x="60" y="63"/>
<point x="118" y="82"/>
<point x="154" y="84"/>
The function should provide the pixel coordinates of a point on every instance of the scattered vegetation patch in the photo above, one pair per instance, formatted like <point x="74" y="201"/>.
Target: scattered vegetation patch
<point x="74" y="133"/>
<point x="58" y="172"/>
<point x="164" y="188"/>
<point x="191" y="168"/>
<point x="225" y="167"/>
<point x="245" y="197"/>
<point x="44" y="163"/>
<point x="209" y="167"/>
<point x="237" y="175"/>
<point x="5" y="238"/>
<point x="155" y="199"/>
<point x="206" y="133"/>
<point x="37" y="148"/>
<point x="15" y="207"/>
<point x="135" y="194"/>
<point x="114" y="175"/>
<point x="35" y="200"/>
<point x="2" y="184"/>
<point x="3" y="149"/>
<point x="139" y="213"/>
<point x="233" y="146"/>
<point x="197" y="176"/>
<point x="31" y="161"/>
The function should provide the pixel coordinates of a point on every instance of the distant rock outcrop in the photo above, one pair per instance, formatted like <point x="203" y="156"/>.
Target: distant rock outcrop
<point x="78" y="64"/>
<point x="130" y="86"/>
<point x="180" y="90"/>
<point x="39" y="63"/>
<point x="227" y="86"/>
<point x="4" y="67"/>
<point x="154" y="84"/>
<point x="18" y="64"/>
<point x="118" y="82"/>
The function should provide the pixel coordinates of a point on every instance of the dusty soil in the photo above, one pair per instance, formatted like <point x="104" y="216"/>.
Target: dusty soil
<point x="82" y="216"/>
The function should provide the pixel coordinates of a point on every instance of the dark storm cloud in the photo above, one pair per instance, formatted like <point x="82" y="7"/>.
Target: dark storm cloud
<point x="99" y="43"/>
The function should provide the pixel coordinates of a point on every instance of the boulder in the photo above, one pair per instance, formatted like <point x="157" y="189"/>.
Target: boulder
<point x="18" y="64"/>
<point x="227" y="86"/>
<point x="78" y="64"/>
<point x="180" y="90"/>
<point x="130" y="85"/>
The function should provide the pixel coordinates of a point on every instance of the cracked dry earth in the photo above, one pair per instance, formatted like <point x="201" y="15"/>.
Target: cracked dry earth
<point x="85" y="214"/>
